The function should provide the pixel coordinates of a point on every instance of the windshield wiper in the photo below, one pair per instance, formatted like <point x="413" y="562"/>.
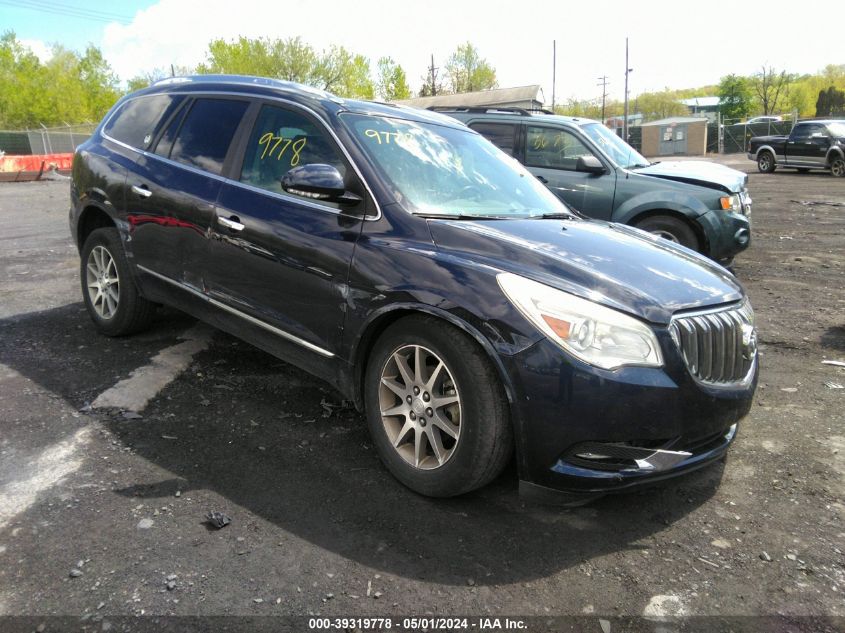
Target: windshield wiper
<point x="553" y="216"/>
<point x="462" y="216"/>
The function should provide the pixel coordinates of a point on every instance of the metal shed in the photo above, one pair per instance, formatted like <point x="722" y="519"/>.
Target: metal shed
<point x="679" y="136"/>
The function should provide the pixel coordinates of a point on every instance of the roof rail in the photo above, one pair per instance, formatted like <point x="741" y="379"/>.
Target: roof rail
<point x="519" y="111"/>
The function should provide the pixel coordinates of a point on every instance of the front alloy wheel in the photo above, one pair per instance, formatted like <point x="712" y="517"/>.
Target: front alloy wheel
<point x="436" y="407"/>
<point x="837" y="167"/>
<point x="420" y="407"/>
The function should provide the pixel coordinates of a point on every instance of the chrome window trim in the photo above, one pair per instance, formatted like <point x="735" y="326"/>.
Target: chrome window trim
<point x="281" y="196"/>
<point x="219" y="304"/>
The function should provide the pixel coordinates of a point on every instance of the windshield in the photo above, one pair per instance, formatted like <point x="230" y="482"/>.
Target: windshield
<point x="837" y="129"/>
<point x="440" y="170"/>
<point x="618" y="150"/>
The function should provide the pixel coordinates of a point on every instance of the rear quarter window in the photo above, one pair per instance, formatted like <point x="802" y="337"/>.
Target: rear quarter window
<point x="136" y="121"/>
<point x="206" y="133"/>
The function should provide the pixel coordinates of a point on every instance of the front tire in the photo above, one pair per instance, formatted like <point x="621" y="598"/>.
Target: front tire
<point x="436" y="409"/>
<point x="671" y="229"/>
<point x="766" y="162"/>
<point x="109" y="292"/>
<point x="837" y="167"/>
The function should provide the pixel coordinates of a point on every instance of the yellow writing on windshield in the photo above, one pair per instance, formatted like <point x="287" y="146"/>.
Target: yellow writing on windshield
<point x="272" y="143"/>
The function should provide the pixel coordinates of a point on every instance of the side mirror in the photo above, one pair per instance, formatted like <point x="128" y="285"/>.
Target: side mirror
<point x="589" y="164"/>
<point x="319" y="182"/>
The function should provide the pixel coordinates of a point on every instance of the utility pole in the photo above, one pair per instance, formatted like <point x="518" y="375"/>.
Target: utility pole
<point x="554" y="71"/>
<point x="433" y="72"/>
<point x="628" y="69"/>
<point x="603" y="84"/>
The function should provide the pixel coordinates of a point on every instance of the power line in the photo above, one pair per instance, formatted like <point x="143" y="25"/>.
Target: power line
<point x="43" y="6"/>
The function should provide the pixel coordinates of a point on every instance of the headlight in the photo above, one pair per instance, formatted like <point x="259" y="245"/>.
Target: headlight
<point x="731" y="203"/>
<point x="592" y="333"/>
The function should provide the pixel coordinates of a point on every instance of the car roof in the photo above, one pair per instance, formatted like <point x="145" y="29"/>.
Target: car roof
<point x="321" y="101"/>
<point x="507" y="113"/>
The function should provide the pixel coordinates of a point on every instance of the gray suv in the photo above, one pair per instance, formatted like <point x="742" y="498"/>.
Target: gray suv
<point x="701" y="205"/>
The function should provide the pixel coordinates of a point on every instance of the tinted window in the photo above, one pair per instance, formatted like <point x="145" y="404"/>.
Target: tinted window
<point x="136" y="121"/>
<point x="557" y="149"/>
<point x="500" y="134"/>
<point x="280" y="141"/>
<point x="206" y="133"/>
<point x="165" y="143"/>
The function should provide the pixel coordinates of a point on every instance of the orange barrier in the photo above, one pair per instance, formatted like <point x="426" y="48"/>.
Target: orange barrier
<point x="35" y="162"/>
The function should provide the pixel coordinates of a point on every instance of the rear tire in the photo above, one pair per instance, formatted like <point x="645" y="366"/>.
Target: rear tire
<point x="109" y="292"/>
<point x="672" y="229"/>
<point x="766" y="162"/>
<point x="837" y="167"/>
<point x="442" y="430"/>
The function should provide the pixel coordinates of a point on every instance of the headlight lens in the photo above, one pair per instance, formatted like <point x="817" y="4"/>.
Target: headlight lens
<point x="731" y="203"/>
<point x="591" y="332"/>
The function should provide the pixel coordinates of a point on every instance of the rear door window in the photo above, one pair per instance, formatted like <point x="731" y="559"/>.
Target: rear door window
<point x="502" y="135"/>
<point x="205" y="135"/>
<point x="136" y="121"/>
<point x="281" y="140"/>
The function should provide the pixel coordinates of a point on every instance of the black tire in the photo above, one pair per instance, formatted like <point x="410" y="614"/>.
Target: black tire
<point x="766" y="162"/>
<point x="485" y="442"/>
<point x="672" y="229"/>
<point x="837" y="167"/>
<point x="132" y="312"/>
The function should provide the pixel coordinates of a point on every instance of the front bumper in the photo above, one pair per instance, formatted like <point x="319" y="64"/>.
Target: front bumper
<point x="727" y="234"/>
<point x="568" y="415"/>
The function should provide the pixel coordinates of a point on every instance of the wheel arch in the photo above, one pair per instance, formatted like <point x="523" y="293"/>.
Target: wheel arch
<point x="92" y="218"/>
<point x="678" y="215"/>
<point x="833" y="154"/>
<point x="382" y="319"/>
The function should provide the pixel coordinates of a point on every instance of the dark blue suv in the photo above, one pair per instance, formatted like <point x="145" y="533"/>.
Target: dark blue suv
<point x="424" y="274"/>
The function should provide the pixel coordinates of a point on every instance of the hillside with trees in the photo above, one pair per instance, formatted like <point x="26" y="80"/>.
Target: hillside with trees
<point x="72" y="87"/>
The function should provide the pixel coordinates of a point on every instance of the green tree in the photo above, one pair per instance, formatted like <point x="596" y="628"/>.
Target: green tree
<point x="468" y="71"/>
<point x="734" y="97"/>
<point x="391" y="83"/>
<point x="336" y="70"/>
<point x="771" y="88"/>
<point x="68" y="88"/>
<point x="658" y="105"/>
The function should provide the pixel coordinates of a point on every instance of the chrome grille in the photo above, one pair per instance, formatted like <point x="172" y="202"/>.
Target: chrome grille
<point x="718" y="346"/>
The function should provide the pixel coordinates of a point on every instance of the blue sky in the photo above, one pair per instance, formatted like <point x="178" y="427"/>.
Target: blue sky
<point x="672" y="45"/>
<point x="31" y="21"/>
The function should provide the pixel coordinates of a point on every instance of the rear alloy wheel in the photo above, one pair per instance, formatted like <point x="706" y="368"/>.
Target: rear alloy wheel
<point x="109" y="292"/>
<point x="671" y="229"/>
<point x="766" y="162"/>
<point x="436" y="408"/>
<point x="837" y="167"/>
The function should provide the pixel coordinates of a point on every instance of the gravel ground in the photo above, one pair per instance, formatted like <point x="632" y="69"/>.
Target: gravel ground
<point x="102" y="513"/>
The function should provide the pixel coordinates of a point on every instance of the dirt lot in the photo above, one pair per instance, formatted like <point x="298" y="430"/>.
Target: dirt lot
<point x="101" y="513"/>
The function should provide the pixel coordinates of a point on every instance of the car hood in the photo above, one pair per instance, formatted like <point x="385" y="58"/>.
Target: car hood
<point x="698" y="172"/>
<point x="613" y="264"/>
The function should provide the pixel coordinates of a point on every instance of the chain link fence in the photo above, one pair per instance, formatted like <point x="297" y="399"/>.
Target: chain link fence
<point x="45" y="140"/>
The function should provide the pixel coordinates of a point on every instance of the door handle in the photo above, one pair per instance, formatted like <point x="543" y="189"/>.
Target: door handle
<point x="141" y="191"/>
<point x="231" y="223"/>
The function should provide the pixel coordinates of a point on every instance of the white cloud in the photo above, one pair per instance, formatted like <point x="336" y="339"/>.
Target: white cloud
<point x="41" y="49"/>
<point x="670" y="45"/>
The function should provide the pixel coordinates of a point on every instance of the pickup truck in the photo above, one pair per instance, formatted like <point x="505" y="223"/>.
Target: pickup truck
<point x="810" y="145"/>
